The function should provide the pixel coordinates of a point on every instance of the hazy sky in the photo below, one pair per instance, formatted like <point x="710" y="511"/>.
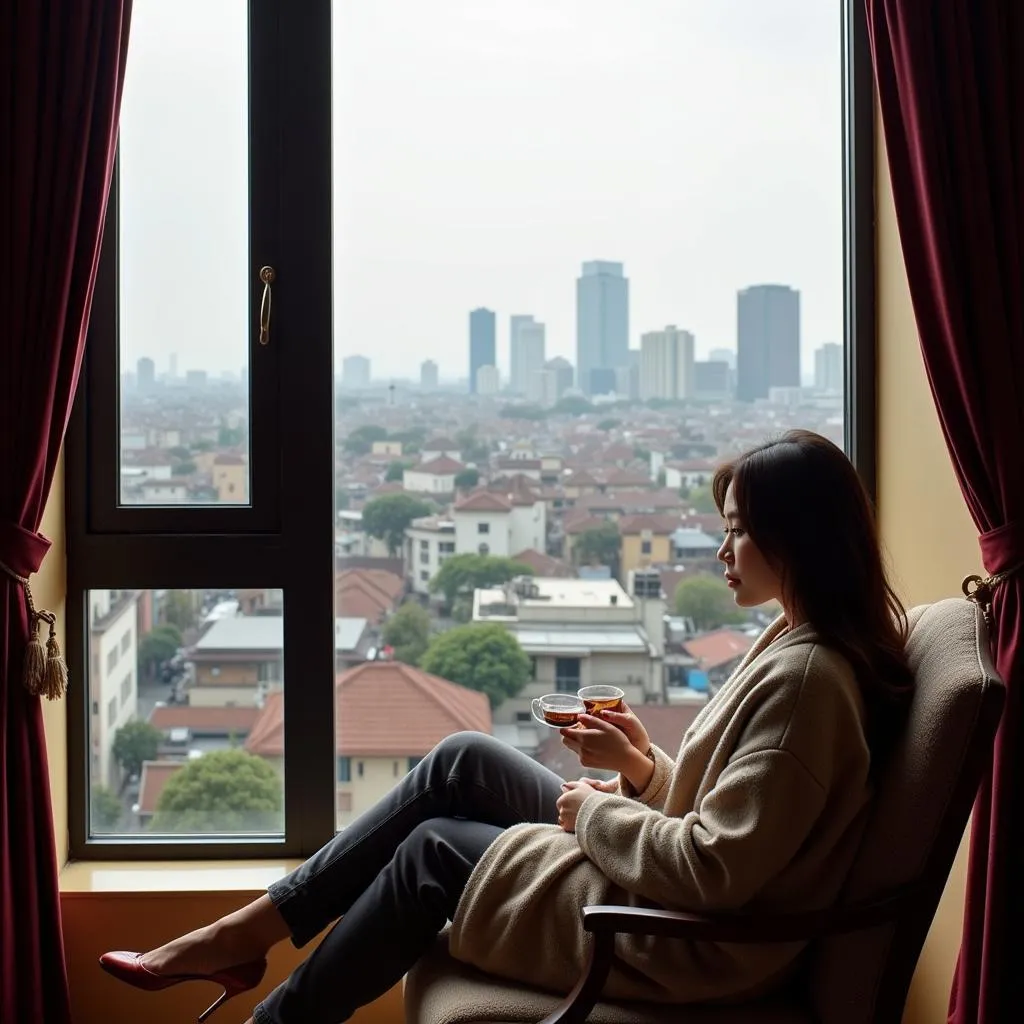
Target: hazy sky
<point x="483" y="150"/>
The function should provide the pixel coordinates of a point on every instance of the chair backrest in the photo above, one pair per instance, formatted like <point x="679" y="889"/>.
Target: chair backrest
<point x="918" y="816"/>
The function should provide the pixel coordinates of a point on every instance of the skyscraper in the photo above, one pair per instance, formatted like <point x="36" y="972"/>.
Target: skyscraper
<point x="563" y="371"/>
<point x="482" y="347"/>
<point x="666" y="364"/>
<point x="355" y="372"/>
<point x="428" y="375"/>
<point x="602" y="323"/>
<point x="828" y="367"/>
<point x="526" y="346"/>
<point x="145" y="373"/>
<point x="768" y="340"/>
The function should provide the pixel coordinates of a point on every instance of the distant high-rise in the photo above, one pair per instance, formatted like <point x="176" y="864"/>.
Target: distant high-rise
<point x="355" y="372"/>
<point x="563" y="371"/>
<point x="723" y="355"/>
<point x="428" y="375"/>
<point x="488" y="380"/>
<point x="768" y="340"/>
<point x="172" y="366"/>
<point x="145" y="373"/>
<point x="526" y="348"/>
<point x="666" y="364"/>
<point x="712" y="379"/>
<point x="828" y="367"/>
<point x="196" y="378"/>
<point x="602" y="323"/>
<point x="482" y="347"/>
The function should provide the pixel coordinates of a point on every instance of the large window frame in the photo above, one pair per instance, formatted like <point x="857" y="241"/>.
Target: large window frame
<point x="284" y="538"/>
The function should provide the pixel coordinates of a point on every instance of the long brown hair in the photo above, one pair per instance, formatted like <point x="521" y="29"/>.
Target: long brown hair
<point x="804" y="506"/>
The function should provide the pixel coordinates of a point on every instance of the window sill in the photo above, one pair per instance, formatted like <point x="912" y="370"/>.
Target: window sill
<point x="171" y="877"/>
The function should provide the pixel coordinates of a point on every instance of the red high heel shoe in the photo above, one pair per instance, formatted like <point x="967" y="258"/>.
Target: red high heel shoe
<point x="129" y="968"/>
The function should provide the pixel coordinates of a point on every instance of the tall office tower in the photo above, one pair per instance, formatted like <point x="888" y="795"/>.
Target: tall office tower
<point x="564" y="375"/>
<point x="145" y="373"/>
<point x="768" y="340"/>
<point x="355" y="372"/>
<point x="428" y="375"/>
<point x="666" y="364"/>
<point x="526" y="347"/>
<point x="723" y="355"/>
<point x="828" y="367"/>
<point x="488" y="380"/>
<point x="482" y="347"/>
<point x="602" y="324"/>
<point x="712" y="379"/>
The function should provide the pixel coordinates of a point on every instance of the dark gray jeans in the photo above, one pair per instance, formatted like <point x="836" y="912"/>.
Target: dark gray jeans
<point x="394" y="876"/>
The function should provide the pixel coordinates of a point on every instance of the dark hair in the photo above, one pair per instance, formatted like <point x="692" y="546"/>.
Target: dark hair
<point x="803" y="505"/>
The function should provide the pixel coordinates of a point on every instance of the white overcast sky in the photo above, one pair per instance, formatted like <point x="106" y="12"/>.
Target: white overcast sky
<point x="483" y="150"/>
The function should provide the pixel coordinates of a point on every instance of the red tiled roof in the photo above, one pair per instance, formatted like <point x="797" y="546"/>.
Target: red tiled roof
<point x="627" y="477"/>
<point x="585" y="523"/>
<point x="441" y="466"/>
<point x="659" y="499"/>
<point x="545" y="565"/>
<point x="154" y="777"/>
<point x="228" y="460"/>
<point x="440" y="444"/>
<point x="206" y="720"/>
<point x="483" y="501"/>
<point x="382" y="709"/>
<point x="367" y="593"/>
<point x="661" y="525"/>
<point x="718" y="647"/>
<point x="580" y="478"/>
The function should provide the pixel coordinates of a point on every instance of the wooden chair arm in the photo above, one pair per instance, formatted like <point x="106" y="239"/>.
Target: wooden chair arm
<point x="605" y="922"/>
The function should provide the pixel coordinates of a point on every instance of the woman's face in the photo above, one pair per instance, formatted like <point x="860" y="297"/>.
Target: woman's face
<point x="751" y="579"/>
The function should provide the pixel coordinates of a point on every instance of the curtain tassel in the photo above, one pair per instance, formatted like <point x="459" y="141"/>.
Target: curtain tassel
<point x="979" y="591"/>
<point x="45" y="672"/>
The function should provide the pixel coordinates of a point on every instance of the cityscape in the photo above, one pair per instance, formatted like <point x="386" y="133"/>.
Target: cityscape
<point x="512" y="527"/>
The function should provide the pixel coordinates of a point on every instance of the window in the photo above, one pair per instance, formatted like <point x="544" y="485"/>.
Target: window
<point x="126" y="641"/>
<point x="424" y="558"/>
<point x="126" y="688"/>
<point x="112" y="657"/>
<point x="111" y="712"/>
<point x="189" y="470"/>
<point x="645" y="547"/>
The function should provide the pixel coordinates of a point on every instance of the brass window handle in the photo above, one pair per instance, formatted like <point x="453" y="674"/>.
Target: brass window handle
<point x="267" y="275"/>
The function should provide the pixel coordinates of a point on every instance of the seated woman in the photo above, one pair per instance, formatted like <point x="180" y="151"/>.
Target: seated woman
<point x="761" y="809"/>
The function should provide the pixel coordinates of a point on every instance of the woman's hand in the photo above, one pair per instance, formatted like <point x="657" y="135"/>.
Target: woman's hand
<point x="631" y="726"/>
<point x="569" y="803"/>
<point x="599" y="743"/>
<point x="602" y="785"/>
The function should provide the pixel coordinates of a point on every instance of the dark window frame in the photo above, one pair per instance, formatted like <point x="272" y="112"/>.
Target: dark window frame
<point x="281" y="540"/>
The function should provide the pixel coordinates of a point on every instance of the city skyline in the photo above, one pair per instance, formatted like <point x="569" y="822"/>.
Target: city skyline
<point x="713" y="160"/>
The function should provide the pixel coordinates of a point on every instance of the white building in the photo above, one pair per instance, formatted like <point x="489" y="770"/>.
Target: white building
<point x="492" y="523"/>
<point x="666" y="364"/>
<point x="688" y="473"/>
<point x="434" y="477"/>
<point x="355" y="372"/>
<point x="428" y="542"/>
<point x="577" y="632"/>
<point x="488" y="380"/>
<point x="828" y="367"/>
<point x="542" y="388"/>
<point x="428" y="375"/>
<point x="526" y="348"/>
<point x="113" y="676"/>
<point x="438" y="447"/>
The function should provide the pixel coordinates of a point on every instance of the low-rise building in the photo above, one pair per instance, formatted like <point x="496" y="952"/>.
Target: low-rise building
<point x="428" y="542"/>
<point x="489" y="523"/>
<point x="434" y="477"/>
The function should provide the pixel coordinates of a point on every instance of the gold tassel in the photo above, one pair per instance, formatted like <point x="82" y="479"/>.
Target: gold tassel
<point x="35" y="661"/>
<point x="55" y="676"/>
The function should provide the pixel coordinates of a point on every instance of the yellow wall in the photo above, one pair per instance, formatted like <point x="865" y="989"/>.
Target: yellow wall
<point x="931" y="541"/>
<point x="632" y="556"/>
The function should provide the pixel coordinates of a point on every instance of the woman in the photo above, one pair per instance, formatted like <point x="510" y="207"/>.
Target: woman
<point x="761" y="809"/>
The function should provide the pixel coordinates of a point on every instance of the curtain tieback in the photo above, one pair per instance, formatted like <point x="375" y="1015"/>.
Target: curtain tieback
<point x="45" y="671"/>
<point x="1002" y="554"/>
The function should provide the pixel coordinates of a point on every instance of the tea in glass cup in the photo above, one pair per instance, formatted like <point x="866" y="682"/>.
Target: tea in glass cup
<point x="560" y="710"/>
<point x="601" y="698"/>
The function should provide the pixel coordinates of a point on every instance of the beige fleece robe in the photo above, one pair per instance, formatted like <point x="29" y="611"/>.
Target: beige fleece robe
<point x="762" y="809"/>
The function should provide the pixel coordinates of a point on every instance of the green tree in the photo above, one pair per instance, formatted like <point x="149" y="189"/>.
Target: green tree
<point x="179" y="451"/>
<point x="360" y="440"/>
<point x="708" y="602"/>
<point x="396" y="470"/>
<point x="202" y="445"/>
<point x="608" y="424"/>
<point x="522" y="412"/>
<point x="179" y="609"/>
<point x="467" y="478"/>
<point x="136" y="741"/>
<point x="186" y="468"/>
<point x="598" y="546"/>
<point x="484" y="657"/>
<point x="462" y="574"/>
<point x="104" y="809"/>
<point x="408" y="632"/>
<point x="223" y="791"/>
<point x="157" y="646"/>
<point x="702" y="499"/>
<point x="230" y="437"/>
<point x="573" y="405"/>
<point x="388" y="516"/>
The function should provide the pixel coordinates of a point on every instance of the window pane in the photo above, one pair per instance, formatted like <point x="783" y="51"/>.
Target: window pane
<point x="183" y="260"/>
<point x="616" y="232"/>
<point x="187" y="724"/>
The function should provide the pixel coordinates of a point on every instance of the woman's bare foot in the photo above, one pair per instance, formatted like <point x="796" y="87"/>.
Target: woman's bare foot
<point x="245" y="935"/>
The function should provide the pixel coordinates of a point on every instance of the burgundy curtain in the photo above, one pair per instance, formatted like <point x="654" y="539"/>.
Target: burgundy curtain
<point x="61" y="69"/>
<point x="950" y="76"/>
